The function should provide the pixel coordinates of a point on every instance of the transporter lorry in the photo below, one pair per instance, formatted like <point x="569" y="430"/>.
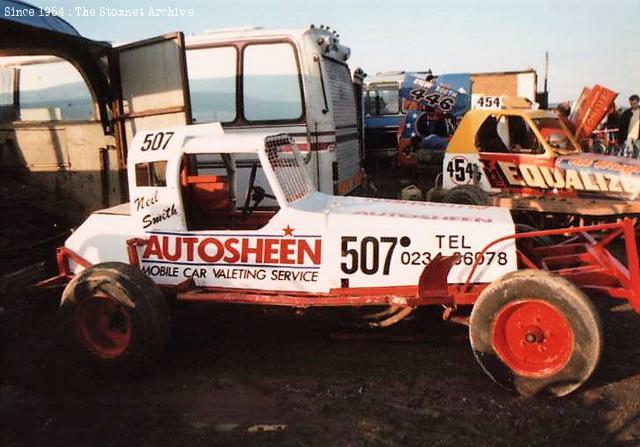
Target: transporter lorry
<point x="205" y="232"/>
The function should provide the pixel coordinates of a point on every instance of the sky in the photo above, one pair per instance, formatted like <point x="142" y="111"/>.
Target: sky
<point x="589" y="41"/>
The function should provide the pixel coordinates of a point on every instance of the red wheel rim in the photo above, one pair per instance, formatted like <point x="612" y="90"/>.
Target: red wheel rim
<point x="532" y="337"/>
<point x="103" y="326"/>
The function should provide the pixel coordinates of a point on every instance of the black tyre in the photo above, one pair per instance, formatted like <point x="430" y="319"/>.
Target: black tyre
<point x="526" y="245"/>
<point x="466" y="195"/>
<point x="116" y="316"/>
<point x="536" y="333"/>
<point x="538" y="241"/>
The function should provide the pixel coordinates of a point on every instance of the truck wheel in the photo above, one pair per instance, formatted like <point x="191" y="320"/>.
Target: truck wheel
<point x="466" y="195"/>
<point x="536" y="333"/>
<point x="116" y="316"/>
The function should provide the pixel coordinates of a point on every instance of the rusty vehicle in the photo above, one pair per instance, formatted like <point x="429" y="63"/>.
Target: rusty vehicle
<point x="222" y="218"/>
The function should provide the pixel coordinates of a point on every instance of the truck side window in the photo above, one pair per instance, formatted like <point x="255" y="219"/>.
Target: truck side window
<point x="54" y="91"/>
<point x="272" y="89"/>
<point x="212" y="83"/>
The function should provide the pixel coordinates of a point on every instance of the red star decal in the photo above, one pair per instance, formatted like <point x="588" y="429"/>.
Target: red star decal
<point x="288" y="231"/>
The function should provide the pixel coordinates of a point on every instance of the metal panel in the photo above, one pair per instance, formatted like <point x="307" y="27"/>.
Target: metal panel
<point x="348" y="161"/>
<point x="154" y="84"/>
<point x="341" y="93"/>
<point x="343" y="108"/>
<point x="46" y="148"/>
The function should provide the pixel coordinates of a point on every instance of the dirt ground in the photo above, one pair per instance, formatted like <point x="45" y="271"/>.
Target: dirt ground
<point x="234" y="376"/>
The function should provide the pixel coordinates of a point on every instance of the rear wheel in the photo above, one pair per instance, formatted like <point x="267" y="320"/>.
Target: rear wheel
<point x="116" y="316"/>
<point x="536" y="333"/>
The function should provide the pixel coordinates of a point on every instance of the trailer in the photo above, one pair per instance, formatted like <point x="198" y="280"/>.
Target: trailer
<point x="205" y="233"/>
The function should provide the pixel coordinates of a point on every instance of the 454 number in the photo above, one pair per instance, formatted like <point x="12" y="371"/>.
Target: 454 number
<point x="368" y="254"/>
<point x="461" y="171"/>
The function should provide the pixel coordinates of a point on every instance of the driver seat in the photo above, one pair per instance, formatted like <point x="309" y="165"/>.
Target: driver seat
<point x="206" y="200"/>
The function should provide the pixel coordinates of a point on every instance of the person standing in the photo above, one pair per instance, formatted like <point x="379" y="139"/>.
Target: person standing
<point x="629" y="130"/>
<point x="611" y="126"/>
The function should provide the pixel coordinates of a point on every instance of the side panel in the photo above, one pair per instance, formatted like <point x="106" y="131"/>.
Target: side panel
<point x="387" y="250"/>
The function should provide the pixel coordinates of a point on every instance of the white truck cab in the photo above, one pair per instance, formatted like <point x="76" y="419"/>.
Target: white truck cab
<point x="263" y="81"/>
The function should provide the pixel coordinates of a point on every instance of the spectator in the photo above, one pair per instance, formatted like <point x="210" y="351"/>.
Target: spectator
<point x="629" y="130"/>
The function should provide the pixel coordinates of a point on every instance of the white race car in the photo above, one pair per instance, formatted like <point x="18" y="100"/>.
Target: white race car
<point x="234" y="219"/>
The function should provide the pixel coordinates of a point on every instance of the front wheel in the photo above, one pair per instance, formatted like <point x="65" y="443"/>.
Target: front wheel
<point x="536" y="333"/>
<point x="116" y="316"/>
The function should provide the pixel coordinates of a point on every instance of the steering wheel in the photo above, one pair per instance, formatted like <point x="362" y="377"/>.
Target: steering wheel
<point x="257" y="193"/>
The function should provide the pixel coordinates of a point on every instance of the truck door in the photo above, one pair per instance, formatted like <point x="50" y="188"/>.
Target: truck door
<point x="153" y="82"/>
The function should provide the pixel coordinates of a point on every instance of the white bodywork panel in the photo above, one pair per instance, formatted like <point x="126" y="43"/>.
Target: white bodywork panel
<point x="314" y="244"/>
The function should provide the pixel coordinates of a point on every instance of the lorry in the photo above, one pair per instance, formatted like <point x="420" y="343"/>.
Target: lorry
<point x="290" y="80"/>
<point x="383" y="111"/>
<point x="206" y="234"/>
